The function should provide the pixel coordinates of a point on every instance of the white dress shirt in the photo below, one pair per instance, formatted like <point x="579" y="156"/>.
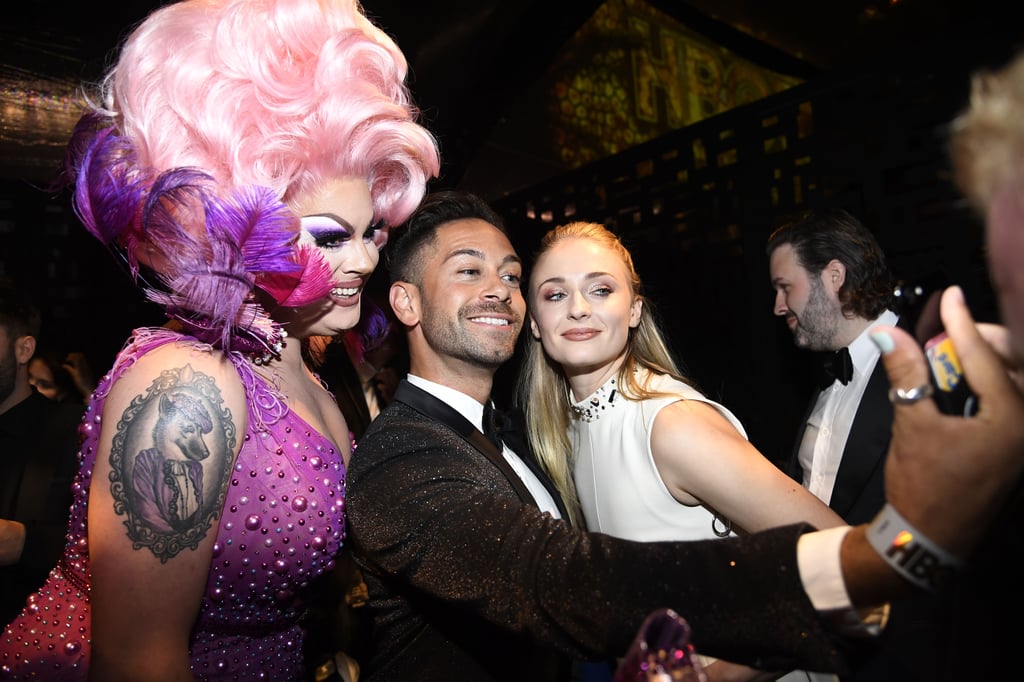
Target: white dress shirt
<point x="828" y="426"/>
<point x="474" y="413"/>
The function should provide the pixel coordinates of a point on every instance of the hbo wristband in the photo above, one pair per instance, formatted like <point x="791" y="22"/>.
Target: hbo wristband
<point x="909" y="552"/>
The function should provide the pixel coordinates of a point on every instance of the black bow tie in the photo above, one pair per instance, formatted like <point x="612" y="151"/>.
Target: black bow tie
<point x="837" y="365"/>
<point x="497" y="424"/>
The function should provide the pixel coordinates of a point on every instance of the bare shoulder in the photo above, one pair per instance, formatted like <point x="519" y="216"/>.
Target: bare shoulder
<point x="693" y="417"/>
<point x="171" y="359"/>
<point x="690" y="435"/>
<point x="172" y="426"/>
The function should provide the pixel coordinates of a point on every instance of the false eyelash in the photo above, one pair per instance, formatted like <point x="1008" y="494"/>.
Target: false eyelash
<point x="327" y="237"/>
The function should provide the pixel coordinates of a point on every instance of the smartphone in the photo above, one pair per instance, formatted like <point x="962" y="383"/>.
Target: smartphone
<point x="952" y="393"/>
<point x="918" y="306"/>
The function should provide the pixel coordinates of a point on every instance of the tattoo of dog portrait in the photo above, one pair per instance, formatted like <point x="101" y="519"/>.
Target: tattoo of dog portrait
<point x="170" y="462"/>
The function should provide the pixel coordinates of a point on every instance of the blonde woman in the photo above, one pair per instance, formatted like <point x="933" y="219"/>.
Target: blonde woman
<point x="634" y="449"/>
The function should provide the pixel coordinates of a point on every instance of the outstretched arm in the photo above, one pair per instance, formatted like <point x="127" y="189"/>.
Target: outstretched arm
<point x="703" y="459"/>
<point x="429" y="520"/>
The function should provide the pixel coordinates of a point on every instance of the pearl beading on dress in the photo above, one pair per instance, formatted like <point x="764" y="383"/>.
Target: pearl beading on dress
<point x="603" y="398"/>
<point x="281" y="526"/>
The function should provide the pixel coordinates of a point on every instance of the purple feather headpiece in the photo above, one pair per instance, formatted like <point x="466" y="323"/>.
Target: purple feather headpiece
<point x="210" y="253"/>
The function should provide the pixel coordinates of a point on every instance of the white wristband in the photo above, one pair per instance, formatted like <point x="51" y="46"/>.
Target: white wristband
<point x="909" y="552"/>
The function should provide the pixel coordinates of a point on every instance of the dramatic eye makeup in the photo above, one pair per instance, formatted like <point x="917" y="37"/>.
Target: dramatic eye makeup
<point x="327" y="232"/>
<point x="332" y="232"/>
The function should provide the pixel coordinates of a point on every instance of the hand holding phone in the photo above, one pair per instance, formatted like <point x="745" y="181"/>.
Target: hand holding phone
<point x="918" y="306"/>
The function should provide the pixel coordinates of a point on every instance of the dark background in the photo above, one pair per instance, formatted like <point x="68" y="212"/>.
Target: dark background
<point x="883" y="79"/>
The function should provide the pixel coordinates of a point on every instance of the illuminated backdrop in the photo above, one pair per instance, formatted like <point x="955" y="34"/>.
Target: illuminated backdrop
<point x="632" y="74"/>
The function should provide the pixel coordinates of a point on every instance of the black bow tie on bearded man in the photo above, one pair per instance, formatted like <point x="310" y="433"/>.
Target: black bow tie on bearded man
<point x="835" y="366"/>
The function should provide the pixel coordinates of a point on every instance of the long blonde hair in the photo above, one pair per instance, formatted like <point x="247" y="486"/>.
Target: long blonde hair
<point x="543" y="388"/>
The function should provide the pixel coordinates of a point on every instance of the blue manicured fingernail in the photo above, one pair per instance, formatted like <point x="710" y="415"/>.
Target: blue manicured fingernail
<point x="883" y="341"/>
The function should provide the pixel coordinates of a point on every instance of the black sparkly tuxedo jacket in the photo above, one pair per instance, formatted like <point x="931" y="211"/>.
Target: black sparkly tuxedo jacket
<point x="469" y="580"/>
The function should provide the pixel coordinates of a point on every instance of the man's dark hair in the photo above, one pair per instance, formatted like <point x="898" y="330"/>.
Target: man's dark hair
<point x="18" y="316"/>
<point x="420" y="230"/>
<point x="820" y="235"/>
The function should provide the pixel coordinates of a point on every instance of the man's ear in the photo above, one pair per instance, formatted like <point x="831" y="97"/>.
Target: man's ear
<point x="405" y="301"/>
<point x="24" y="349"/>
<point x="834" y="275"/>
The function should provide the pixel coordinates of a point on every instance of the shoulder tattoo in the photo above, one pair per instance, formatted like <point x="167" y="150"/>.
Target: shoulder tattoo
<point x="171" y="461"/>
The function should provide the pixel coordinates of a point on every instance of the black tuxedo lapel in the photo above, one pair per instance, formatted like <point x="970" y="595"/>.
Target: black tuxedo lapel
<point x="518" y="441"/>
<point x="864" y="452"/>
<point x="867" y="444"/>
<point x="437" y="409"/>
<point x="859" y="490"/>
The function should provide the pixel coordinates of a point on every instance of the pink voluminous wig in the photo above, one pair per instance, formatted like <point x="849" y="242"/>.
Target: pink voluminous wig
<point x="216" y="115"/>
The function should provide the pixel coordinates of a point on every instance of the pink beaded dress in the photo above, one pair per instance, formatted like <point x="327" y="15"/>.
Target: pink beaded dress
<point x="281" y="526"/>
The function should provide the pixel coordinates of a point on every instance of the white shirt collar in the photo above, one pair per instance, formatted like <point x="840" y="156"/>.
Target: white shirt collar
<point x="468" y="407"/>
<point x="863" y="350"/>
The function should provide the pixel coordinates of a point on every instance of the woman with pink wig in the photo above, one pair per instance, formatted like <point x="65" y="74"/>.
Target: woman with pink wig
<point x="244" y="159"/>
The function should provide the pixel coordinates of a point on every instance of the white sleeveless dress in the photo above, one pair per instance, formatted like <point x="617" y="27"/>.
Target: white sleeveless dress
<point x="619" y="486"/>
<point x="620" y="490"/>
